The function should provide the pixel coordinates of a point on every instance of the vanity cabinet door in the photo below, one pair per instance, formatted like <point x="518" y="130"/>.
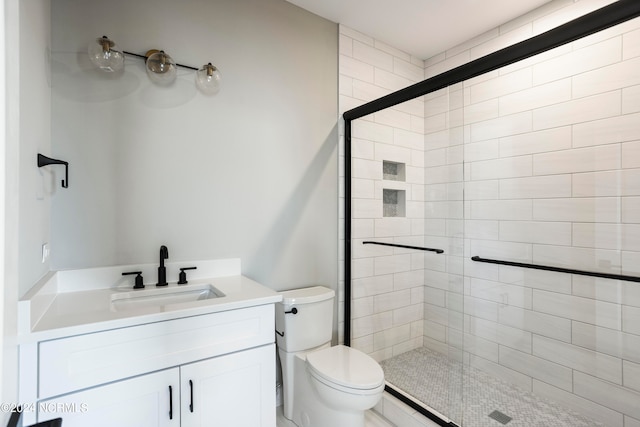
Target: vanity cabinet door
<point x="236" y="390"/>
<point x="145" y="401"/>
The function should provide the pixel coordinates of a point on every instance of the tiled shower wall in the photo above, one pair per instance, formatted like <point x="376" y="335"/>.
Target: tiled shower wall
<point x="388" y="283"/>
<point x="548" y="153"/>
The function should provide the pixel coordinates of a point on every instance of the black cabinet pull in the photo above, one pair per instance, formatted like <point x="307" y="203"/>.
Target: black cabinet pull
<point x="170" y="403"/>
<point x="191" y="390"/>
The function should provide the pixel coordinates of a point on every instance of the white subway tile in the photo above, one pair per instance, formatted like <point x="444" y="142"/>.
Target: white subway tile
<point x="389" y="80"/>
<point x="392" y="50"/>
<point x="536" y="97"/>
<point x="392" y="264"/>
<point x="361" y="228"/>
<point x="538" y="323"/>
<point x="607" y="394"/>
<point x="501" y="85"/>
<point x="482" y="190"/>
<point x="502" y="126"/>
<point x="361" y="268"/>
<point x="408" y="70"/>
<point x="623" y="182"/>
<point x="631" y="154"/>
<point x="481" y="308"/>
<point x="481" y="229"/>
<point x="631" y="375"/>
<point x="536" y="367"/>
<point x="630" y="209"/>
<point x="371" y="324"/>
<point x="370" y="286"/>
<point x="502" y="209"/>
<point x="372" y="56"/>
<point x="406" y="315"/>
<point x="361" y="307"/>
<point x="608" y="341"/>
<point x="511" y="167"/>
<point x="495" y="249"/>
<point x="602" y="209"/>
<point x="583" y="406"/>
<point x="362" y="149"/>
<point x="579" y="61"/>
<point x="345" y="45"/>
<point x="498" y="371"/>
<point x="366" y="208"/>
<point x="578" y="111"/>
<point x="390" y="337"/>
<point x="607" y="131"/>
<point x="631" y="422"/>
<point x="392" y="153"/>
<point x="362" y="188"/>
<point x="498" y="333"/>
<point x="502" y="293"/>
<point x="372" y="131"/>
<point x="536" y="142"/>
<point x="481" y="111"/>
<point x="357" y="69"/>
<point x="484" y="150"/>
<point x="393" y="118"/>
<point x="616" y="76"/>
<point x="631" y="44"/>
<point x="631" y="319"/>
<point x="537" y="187"/>
<point x="537" y="279"/>
<point x="349" y="32"/>
<point x="391" y="300"/>
<point x="480" y="347"/>
<point x="597" y="364"/>
<point x="577" y="308"/>
<point x="390" y="227"/>
<point x="551" y="233"/>
<point x="412" y="140"/>
<point x="435" y="331"/>
<point x="365" y="91"/>
<point x="602" y="260"/>
<point x="589" y="159"/>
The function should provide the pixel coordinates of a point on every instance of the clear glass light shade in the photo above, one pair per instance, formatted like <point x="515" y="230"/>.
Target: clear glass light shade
<point x="161" y="68"/>
<point x="208" y="79"/>
<point x="105" y="55"/>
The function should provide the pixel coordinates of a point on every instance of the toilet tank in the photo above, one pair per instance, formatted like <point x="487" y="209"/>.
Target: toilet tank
<point x="311" y="325"/>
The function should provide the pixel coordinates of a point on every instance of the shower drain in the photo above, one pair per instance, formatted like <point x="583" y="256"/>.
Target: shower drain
<point x="500" y="417"/>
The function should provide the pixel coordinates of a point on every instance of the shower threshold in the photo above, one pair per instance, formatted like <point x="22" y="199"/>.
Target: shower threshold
<point x="471" y="397"/>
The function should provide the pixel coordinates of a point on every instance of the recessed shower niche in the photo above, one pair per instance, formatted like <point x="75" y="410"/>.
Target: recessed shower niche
<point x="393" y="199"/>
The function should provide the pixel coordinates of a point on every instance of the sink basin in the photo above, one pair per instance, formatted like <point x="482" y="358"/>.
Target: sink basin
<point x="163" y="296"/>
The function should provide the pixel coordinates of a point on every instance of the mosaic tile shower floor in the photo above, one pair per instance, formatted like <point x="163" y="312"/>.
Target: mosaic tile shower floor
<point x="438" y="381"/>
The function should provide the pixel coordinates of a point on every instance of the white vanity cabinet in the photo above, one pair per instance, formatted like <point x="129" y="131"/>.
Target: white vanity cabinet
<point x="212" y="369"/>
<point x="150" y="400"/>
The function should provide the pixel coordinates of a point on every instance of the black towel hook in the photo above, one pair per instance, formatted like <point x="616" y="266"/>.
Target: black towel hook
<point x="44" y="161"/>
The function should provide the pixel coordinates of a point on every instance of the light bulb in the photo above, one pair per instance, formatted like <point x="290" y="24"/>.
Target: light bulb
<point x="105" y="55"/>
<point x="208" y="79"/>
<point x="161" y="68"/>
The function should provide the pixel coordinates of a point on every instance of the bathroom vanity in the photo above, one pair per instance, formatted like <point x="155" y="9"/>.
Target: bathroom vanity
<point x="184" y="355"/>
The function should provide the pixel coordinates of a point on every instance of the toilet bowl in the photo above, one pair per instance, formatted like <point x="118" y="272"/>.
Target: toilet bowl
<point x="323" y="386"/>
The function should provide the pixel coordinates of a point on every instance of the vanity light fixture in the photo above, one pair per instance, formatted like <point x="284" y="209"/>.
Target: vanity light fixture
<point x="161" y="68"/>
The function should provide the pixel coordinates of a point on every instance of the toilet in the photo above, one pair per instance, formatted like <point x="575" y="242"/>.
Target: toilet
<point x="323" y="386"/>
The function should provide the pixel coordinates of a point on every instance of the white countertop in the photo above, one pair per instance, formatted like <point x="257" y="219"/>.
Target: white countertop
<point x="50" y="314"/>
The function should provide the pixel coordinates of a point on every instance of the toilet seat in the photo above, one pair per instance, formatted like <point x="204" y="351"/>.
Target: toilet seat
<point x="346" y="369"/>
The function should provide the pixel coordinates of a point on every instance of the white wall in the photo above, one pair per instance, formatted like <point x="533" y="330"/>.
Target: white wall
<point x="248" y="173"/>
<point x="26" y="209"/>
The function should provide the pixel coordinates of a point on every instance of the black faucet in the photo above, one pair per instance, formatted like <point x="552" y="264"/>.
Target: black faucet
<point x="162" y="270"/>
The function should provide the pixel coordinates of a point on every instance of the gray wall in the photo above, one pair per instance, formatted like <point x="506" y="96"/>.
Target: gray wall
<point x="250" y="172"/>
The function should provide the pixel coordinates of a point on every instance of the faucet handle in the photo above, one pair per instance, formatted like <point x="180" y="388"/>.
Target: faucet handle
<point x="139" y="284"/>
<point x="182" y="277"/>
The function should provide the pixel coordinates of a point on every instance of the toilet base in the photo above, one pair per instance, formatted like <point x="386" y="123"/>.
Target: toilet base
<point x="304" y="406"/>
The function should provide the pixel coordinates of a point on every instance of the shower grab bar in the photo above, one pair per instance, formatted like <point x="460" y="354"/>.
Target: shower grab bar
<point x="420" y="248"/>
<point x="558" y="269"/>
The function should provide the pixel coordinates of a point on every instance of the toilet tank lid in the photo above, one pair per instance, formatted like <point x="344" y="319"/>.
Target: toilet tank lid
<point x="306" y="295"/>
